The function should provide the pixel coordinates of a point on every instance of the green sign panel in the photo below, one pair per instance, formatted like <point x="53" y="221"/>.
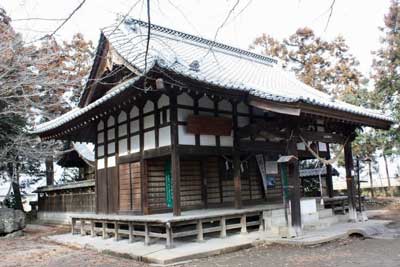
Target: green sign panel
<point x="169" y="197"/>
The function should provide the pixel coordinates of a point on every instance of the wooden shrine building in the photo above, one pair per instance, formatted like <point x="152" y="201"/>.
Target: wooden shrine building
<point x="193" y="124"/>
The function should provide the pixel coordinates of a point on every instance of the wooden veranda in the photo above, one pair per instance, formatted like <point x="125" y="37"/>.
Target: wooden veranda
<point x="194" y="223"/>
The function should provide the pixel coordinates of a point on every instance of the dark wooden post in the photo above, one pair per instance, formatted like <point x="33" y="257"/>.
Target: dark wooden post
<point x="203" y="170"/>
<point x="348" y="162"/>
<point x="329" y="181"/>
<point x="236" y="160"/>
<point x="175" y="158"/>
<point x="49" y="170"/>
<point x="237" y="181"/>
<point x="176" y="182"/>
<point x="294" y="185"/>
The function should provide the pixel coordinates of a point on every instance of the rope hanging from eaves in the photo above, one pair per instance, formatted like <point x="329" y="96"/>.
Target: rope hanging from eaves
<point x="324" y="161"/>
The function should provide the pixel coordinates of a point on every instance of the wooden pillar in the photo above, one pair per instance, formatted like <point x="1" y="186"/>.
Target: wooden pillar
<point x="236" y="161"/>
<point x="348" y="162"/>
<point x="175" y="158"/>
<point x="237" y="181"/>
<point x="49" y="170"/>
<point x="144" y="184"/>
<point x="329" y="181"/>
<point x="294" y="186"/>
<point x="204" y="186"/>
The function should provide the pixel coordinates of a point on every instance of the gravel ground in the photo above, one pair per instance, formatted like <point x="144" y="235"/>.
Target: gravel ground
<point x="31" y="250"/>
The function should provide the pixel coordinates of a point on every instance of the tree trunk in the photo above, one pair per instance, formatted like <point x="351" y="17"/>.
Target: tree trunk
<point x="387" y="170"/>
<point x="14" y="174"/>
<point x="370" y="179"/>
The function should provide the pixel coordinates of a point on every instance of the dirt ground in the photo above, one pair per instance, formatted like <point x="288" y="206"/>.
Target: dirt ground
<point x="31" y="250"/>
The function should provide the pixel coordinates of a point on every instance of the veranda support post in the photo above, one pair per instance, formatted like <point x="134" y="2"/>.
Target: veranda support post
<point x="348" y="161"/>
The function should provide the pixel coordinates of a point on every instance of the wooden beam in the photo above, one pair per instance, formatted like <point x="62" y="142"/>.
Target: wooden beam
<point x="342" y="116"/>
<point x="348" y="162"/>
<point x="146" y="154"/>
<point x="294" y="185"/>
<point x="323" y="137"/>
<point x="261" y="146"/>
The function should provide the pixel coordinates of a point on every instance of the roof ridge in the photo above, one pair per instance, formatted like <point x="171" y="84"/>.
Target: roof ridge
<point x="191" y="37"/>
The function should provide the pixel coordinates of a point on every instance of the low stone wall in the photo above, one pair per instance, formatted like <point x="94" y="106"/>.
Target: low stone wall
<point x="383" y="191"/>
<point x="378" y="191"/>
<point x="57" y="217"/>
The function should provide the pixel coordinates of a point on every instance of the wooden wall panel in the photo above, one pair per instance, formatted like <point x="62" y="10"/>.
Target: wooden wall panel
<point x="101" y="191"/>
<point x="112" y="182"/>
<point x="228" y="192"/>
<point x="67" y="201"/>
<point x="136" y="186"/>
<point x="156" y="184"/>
<point x="245" y="189"/>
<point x="273" y="194"/>
<point x="191" y="183"/>
<point x="257" y="191"/>
<point x="125" y="199"/>
<point x="130" y="187"/>
<point x="213" y="183"/>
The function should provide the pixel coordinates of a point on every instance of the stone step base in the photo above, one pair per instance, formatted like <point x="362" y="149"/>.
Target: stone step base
<point x="321" y="223"/>
<point x="276" y="224"/>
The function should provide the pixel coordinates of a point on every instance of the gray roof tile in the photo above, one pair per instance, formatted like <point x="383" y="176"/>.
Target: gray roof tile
<point x="218" y="64"/>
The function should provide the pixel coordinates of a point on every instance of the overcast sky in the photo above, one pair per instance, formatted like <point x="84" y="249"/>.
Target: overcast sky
<point x="356" y="20"/>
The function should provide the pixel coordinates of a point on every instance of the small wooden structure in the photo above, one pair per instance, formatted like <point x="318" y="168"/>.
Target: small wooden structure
<point x="180" y="130"/>
<point x="311" y="178"/>
<point x="76" y="196"/>
<point x="78" y="155"/>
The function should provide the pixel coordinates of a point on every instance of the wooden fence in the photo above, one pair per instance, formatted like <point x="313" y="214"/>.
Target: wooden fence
<point x="71" y="202"/>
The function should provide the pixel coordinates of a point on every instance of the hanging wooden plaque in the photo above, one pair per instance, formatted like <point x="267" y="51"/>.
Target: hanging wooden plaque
<point x="200" y="124"/>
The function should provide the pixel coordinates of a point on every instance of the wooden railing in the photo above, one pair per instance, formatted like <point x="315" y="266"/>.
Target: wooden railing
<point x="72" y="202"/>
<point x="153" y="228"/>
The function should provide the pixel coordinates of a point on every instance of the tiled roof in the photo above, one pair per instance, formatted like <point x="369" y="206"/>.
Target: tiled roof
<point x="212" y="63"/>
<point x="76" y="112"/>
<point x="219" y="64"/>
